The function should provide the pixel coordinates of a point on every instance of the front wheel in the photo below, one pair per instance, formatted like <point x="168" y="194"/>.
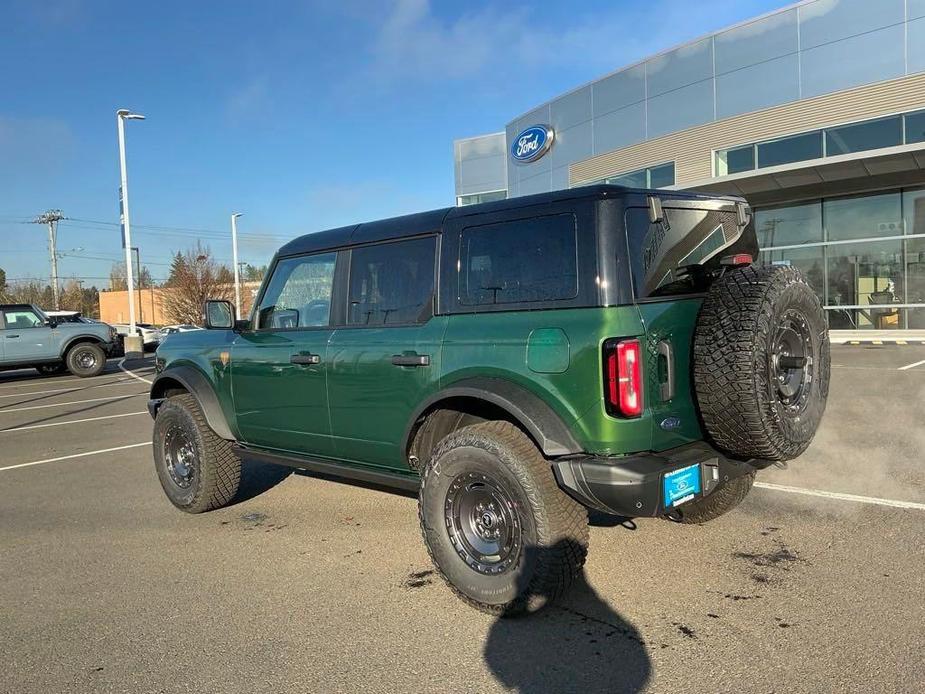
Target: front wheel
<point x="198" y="470"/>
<point x="498" y="528"/>
<point x="86" y="359"/>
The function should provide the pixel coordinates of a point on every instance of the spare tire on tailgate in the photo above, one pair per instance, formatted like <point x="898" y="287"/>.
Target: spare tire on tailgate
<point x="761" y="363"/>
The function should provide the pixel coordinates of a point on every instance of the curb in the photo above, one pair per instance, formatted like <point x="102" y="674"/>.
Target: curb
<point x="878" y="342"/>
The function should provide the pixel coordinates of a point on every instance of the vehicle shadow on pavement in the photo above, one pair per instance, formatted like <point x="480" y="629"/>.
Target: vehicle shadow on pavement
<point x="577" y="644"/>
<point x="258" y="478"/>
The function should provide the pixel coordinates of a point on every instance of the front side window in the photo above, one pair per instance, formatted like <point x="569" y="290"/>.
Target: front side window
<point x="19" y="319"/>
<point x="299" y="293"/>
<point x="392" y="283"/>
<point x="527" y="260"/>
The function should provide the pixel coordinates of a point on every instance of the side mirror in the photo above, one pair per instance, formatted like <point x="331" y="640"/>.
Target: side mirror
<point x="51" y="323"/>
<point x="219" y="315"/>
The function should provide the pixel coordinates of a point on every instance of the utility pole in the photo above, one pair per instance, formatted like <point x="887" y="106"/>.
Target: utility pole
<point x="51" y="218"/>
<point x="234" y="260"/>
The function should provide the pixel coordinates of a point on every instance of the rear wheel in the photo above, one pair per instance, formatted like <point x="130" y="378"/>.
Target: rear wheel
<point x="724" y="499"/>
<point x="198" y="470"/>
<point x="86" y="359"/>
<point x="498" y="528"/>
<point x="761" y="363"/>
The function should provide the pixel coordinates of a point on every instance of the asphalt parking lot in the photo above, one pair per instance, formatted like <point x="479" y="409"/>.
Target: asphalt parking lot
<point x="308" y="584"/>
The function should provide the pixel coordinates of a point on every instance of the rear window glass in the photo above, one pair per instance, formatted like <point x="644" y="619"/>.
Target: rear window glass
<point x="521" y="261"/>
<point x="392" y="282"/>
<point x="673" y="257"/>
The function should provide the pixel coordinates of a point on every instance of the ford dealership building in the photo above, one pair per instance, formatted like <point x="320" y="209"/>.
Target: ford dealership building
<point x="815" y="113"/>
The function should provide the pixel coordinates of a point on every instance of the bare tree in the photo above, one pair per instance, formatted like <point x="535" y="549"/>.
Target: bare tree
<point x="194" y="277"/>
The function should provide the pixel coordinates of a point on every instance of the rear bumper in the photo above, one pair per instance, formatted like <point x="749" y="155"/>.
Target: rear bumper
<point x="632" y="486"/>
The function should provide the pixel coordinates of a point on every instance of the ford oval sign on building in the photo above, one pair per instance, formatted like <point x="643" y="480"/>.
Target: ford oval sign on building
<point x="532" y="143"/>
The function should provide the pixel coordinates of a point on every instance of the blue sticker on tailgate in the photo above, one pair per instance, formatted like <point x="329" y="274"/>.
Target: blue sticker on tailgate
<point x="681" y="485"/>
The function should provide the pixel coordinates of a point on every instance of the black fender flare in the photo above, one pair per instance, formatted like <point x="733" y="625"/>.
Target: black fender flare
<point x="86" y="337"/>
<point x="193" y="381"/>
<point x="543" y="424"/>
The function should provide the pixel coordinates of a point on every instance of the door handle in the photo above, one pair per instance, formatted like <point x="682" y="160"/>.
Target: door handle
<point x="411" y="359"/>
<point x="10" y="337"/>
<point x="305" y="359"/>
<point x="667" y="386"/>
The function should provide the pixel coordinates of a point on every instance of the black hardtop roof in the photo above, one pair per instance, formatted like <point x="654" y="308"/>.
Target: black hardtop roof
<point x="9" y="306"/>
<point x="432" y="221"/>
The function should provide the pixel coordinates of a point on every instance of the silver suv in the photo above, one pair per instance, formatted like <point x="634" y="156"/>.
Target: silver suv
<point x="28" y="337"/>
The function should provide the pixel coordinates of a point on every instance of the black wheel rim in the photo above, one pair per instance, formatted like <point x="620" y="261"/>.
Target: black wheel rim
<point x="483" y="523"/>
<point x="180" y="456"/>
<point x="792" y="361"/>
<point x="85" y="359"/>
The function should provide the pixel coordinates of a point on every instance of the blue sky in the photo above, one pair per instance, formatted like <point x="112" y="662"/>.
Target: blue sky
<point x="302" y="115"/>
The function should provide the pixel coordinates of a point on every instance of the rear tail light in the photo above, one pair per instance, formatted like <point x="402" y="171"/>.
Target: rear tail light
<point x="623" y="377"/>
<point x="737" y="259"/>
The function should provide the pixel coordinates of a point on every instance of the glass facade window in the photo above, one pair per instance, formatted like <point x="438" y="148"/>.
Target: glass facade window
<point x="915" y="127"/>
<point x="476" y="198"/>
<point x="661" y="176"/>
<point x="653" y="177"/>
<point x="731" y="161"/>
<point x="864" y="217"/>
<point x="790" y="149"/>
<point x="789" y="225"/>
<point x="864" y="273"/>
<point x="859" y="253"/>
<point x="886" y="132"/>
<point x="879" y="133"/>
<point x="634" y="179"/>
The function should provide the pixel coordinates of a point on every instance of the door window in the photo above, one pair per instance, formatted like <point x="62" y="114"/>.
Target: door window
<point x="392" y="283"/>
<point x="520" y="261"/>
<point x="18" y="319"/>
<point x="299" y="294"/>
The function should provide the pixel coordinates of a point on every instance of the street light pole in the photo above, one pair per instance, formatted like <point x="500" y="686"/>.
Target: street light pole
<point x="234" y="259"/>
<point x="121" y="116"/>
<point x="141" y="311"/>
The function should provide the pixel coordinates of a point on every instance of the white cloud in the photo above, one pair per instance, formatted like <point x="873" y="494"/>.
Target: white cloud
<point x="414" y="43"/>
<point x="252" y="99"/>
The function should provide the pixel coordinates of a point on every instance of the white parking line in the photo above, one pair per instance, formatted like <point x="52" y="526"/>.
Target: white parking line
<point x="75" y="455"/>
<point x="39" y="381"/>
<point x="120" y="382"/>
<point x="70" y="421"/>
<point x="71" y="402"/>
<point x="131" y="373"/>
<point x="842" y="497"/>
<point x="911" y="366"/>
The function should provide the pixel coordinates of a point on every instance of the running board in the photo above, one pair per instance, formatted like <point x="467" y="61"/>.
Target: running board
<point x="409" y="482"/>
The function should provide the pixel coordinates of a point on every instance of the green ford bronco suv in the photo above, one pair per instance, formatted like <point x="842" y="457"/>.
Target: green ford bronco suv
<point x="519" y="362"/>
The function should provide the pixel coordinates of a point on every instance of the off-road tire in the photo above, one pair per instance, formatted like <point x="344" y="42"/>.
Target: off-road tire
<point x="724" y="499"/>
<point x="85" y="359"/>
<point x="216" y="471"/>
<point x="735" y="367"/>
<point x="52" y="369"/>
<point x="554" y="526"/>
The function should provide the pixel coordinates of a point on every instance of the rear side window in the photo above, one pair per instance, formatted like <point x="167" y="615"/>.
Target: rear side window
<point x="679" y="255"/>
<point x="299" y="293"/>
<point x="522" y="261"/>
<point x="392" y="282"/>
